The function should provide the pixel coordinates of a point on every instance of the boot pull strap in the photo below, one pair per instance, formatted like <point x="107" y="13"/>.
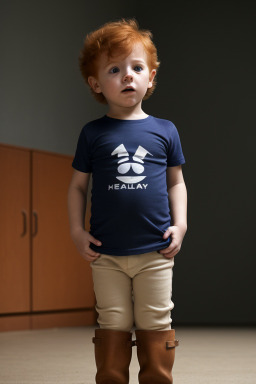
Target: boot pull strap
<point x="169" y="344"/>
<point x="172" y="344"/>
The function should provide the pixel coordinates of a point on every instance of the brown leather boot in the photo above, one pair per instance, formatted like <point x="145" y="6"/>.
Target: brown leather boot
<point x="113" y="353"/>
<point x="156" y="351"/>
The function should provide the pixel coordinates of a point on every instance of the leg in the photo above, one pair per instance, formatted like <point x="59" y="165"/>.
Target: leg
<point x="156" y="352"/>
<point x="155" y="339"/>
<point x="152" y="289"/>
<point x="113" y="341"/>
<point x="113" y="353"/>
<point x="113" y="291"/>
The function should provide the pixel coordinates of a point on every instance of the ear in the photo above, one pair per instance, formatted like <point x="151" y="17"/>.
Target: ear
<point x="93" y="82"/>
<point x="151" y="78"/>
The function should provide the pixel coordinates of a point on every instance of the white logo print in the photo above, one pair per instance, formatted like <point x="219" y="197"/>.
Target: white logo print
<point x="123" y="168"/>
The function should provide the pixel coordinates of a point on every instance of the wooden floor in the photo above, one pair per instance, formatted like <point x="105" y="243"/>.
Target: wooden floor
<point x="66" y="355"/>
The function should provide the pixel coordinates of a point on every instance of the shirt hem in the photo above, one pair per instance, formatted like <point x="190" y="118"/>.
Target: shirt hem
<point x="81" y="169"/>
<point x="177" y="162"/>
<point x="129" y="253"/>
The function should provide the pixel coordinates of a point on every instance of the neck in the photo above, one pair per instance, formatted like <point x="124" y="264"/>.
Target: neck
<point x="126" y="113"/>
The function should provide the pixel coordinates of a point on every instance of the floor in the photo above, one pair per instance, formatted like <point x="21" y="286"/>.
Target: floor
<point x="66" y="355"/>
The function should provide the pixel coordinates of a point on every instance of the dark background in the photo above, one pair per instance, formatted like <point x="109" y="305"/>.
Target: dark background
<point x="206" y="87"/>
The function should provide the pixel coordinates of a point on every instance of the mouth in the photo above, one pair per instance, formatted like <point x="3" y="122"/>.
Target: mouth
<point x="128" y="89"/>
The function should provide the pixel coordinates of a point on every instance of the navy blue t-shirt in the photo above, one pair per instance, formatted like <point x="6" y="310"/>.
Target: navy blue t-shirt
<point x="128" y="161"/>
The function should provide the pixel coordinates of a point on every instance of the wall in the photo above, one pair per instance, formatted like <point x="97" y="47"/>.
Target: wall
<point x="44" y="100"/>
<point x="205" y="86"/>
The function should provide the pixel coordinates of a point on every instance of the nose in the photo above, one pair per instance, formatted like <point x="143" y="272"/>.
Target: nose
<point x="128" y="76"/>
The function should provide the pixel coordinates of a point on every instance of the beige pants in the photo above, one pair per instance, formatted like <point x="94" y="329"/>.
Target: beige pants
<point x="133" y="290"/>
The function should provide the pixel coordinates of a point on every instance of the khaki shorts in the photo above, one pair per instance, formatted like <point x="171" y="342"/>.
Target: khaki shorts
<point x="133" y="290"/>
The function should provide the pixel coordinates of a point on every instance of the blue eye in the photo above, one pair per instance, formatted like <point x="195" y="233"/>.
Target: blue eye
<point x="138" y="68"/>
<point x="114" y="70"/>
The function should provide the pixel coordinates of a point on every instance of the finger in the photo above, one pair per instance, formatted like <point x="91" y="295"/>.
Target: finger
<point x="91" y="253"/>
<point x="171" y="254"/>
<point x="94" y="241"/>
<point x="174" y="252"/>
<point x="169" y="249"/>
<point x="90" y="258"/>
<point x="168" y="256"/>
<point x="167" y="233"/>
<point x="163" y="250"/>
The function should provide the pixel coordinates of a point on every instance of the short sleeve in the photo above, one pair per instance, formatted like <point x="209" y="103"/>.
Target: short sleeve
<point x="82" y="161"/>
<point x="174" y="154"/>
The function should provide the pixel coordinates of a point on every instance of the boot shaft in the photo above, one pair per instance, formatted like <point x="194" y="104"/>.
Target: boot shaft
<point x="113" y="352"/>
<point x="156" y="353"/>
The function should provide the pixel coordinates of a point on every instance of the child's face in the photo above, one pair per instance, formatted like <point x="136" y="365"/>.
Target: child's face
<point x="121" y="72"/>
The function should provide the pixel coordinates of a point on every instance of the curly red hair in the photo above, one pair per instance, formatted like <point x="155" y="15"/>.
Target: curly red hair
<point x="117" y="36"/>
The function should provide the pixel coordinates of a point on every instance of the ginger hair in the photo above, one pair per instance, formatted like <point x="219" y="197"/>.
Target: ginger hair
<point x="116" y="38"/>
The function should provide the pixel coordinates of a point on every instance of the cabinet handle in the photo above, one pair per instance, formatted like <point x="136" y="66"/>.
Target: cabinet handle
<point x="24" y="214"/>
<point x="35" y="223"/>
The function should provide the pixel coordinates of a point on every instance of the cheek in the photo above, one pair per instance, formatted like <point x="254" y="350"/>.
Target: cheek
<point x="145" y="78"/>
<point x="110" y="85"/>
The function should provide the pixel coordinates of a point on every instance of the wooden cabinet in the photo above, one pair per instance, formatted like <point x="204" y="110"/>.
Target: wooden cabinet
<point x="15" y="198"/>
<point x="42" y="275"/>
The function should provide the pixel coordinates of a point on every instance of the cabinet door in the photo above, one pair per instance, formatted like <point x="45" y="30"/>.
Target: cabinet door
<point x="14" y="230"/>
<point x="61" y="277"/>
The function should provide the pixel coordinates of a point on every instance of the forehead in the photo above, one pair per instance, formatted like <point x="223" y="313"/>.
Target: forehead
<point x="138" y="53"/>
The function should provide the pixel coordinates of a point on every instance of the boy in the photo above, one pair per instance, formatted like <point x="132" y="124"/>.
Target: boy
<point x="135" y="160"/>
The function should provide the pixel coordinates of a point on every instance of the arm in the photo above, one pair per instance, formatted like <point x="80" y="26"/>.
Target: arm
<point x="77" y="198"/>
<point x="177" y="195"/>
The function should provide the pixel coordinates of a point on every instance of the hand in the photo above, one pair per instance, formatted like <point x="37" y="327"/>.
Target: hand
<point x="82" y="240"/>
<point x="177" y="234"/>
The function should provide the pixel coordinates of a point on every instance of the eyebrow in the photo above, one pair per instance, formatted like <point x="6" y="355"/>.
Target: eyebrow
<point x="133" y="60"/>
